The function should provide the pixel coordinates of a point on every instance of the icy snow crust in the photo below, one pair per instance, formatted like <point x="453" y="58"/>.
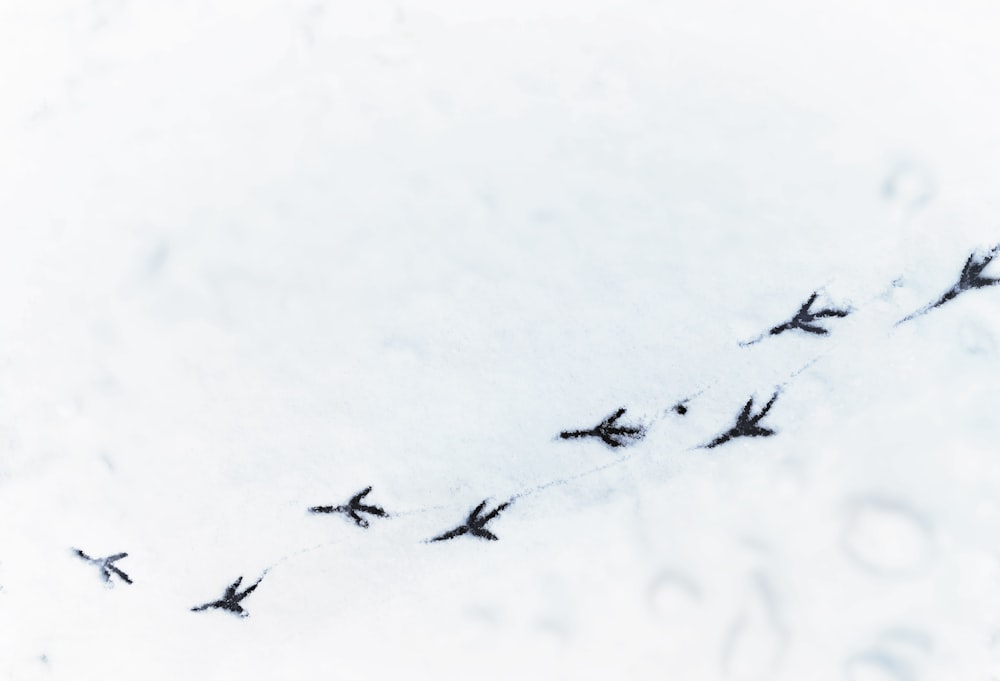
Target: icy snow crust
<point x="258" y="256"/>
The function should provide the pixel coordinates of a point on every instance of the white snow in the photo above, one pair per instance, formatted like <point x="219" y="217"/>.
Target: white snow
<point x="257" y="255"/>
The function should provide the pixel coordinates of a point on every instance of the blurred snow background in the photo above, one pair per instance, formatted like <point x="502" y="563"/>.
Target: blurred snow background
<point x="257" y="255"/>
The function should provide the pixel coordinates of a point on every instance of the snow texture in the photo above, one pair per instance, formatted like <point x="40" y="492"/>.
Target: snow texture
<point x="259" y="256"/>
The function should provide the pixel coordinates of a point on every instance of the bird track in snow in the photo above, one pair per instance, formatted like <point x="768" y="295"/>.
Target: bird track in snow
<point x="354" y="508"/>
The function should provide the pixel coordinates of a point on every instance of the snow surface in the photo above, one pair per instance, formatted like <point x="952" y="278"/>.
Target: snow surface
<point x="258" y="255"/>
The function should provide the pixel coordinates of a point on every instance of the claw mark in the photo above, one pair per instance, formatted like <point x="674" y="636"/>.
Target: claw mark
<point x="887" y="537"/>
<point x="971" y="277"/>
<point x="354" y="508"/>
<point x="804" y="320"/>
<point x="231" y="601"/>
<point x="611" y="434"/>
<point x="747" y="424"/>
<point x="106" y="565"/>
<point x="475" y="524"/>
<point x="898" y="654"/>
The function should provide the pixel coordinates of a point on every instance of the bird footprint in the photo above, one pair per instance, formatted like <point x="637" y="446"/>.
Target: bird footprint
<point x="231" y="600"/>
<point x="475" y="524"/>
<point x="609" y="431"/>
<point x="970" y="278"/>
<point x="107" y="566"/>
<point x="747" y="424"/>
<point x="354" y="508"/>
<point x="805" y="320"/>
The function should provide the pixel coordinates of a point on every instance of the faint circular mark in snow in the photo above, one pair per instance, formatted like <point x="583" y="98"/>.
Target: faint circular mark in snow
<point x="897" y="656"/>
<point x="886" y="537"/>
<point x="877" y="666"/>
<point x="672" y="597"/>
<point x="909" y="186"/>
